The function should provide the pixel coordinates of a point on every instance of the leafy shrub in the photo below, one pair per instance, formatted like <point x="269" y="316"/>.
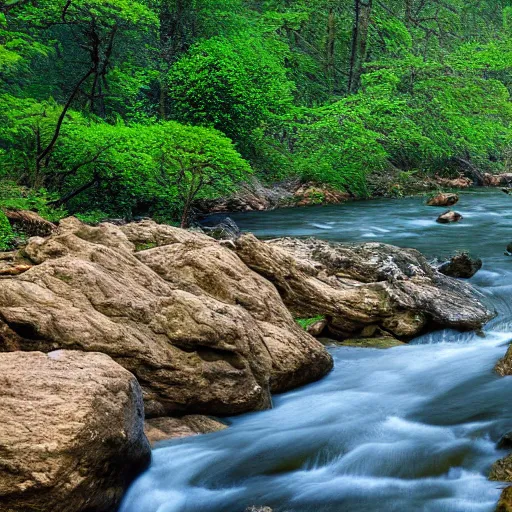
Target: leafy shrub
<point x="234" y="85"/>
<point x="6" y="232"/>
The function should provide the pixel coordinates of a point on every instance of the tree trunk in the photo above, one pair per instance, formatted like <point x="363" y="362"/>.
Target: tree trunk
<point x="363" y="13"/>
<point x="331" y="39"/>
<point x="185" y="216"/>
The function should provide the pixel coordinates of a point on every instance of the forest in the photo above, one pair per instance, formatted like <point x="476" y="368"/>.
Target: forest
<point x="126" y="108"/>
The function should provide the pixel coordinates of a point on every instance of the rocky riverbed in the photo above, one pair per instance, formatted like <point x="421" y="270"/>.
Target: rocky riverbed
<point x="101" y="327"/>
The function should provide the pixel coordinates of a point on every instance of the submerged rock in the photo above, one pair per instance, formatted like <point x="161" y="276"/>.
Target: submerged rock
<point x="202" y="333"/>
<point x="162" y="429"/>
<point x="449" y="217"/>
<point x="71" y="432"/>
<point x="461" y="266"/>
<point x="258" y="509"/>
<point x="505" y="443"/>
<point x="381" y="342"/>
<point x="443" y="200"/>
<point x="361" y="286"/>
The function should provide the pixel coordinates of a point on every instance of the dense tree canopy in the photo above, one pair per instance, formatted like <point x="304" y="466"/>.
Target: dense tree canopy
<point x="126" y="107"/>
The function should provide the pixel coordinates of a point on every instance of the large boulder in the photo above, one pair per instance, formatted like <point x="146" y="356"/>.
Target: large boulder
<point x="443" y="200"/>
<point x="360" y="288"/>
<point x="71" y="433"/>
<point x="202" y="333"/>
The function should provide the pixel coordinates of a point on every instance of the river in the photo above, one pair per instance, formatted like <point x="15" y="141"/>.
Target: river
<point x="412" y="428"/>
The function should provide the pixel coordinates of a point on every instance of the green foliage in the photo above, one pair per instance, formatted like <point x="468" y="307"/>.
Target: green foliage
<point x="6" y="232"/>
<point x="92" y="217"/>
<point x="14" y="197"/>
<point x="137" y="107"/>
<point x="306" y="322"/>
<point x="235" y="85"/>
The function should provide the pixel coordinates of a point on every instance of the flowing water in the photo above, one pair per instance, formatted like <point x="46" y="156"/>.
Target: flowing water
<point x="412" y="428"/>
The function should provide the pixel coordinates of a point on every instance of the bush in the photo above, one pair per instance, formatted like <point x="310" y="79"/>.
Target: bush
<point x="234" y="85"/>
<point x="6" y="232"/>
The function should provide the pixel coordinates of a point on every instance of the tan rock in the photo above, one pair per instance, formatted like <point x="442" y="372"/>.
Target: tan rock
<point x="380" y="342"/>
<point x="200" y="266"/>
<point x="199" y="340"/>
<point x="505" y="503"/>
<point x="502" y="470"/>
<point x="497" y="180"/>
<point x="449" y="217"/>
<point x="29" y="222"/>
<point x="443" y="200"/>
<point x="317" y="328"/>
<point x="461" y="182"/>
<point x="13" y="270"/>
<point x="360" y="285"/>
<point x="163" y="429"/>
<point x="71" y="432"/>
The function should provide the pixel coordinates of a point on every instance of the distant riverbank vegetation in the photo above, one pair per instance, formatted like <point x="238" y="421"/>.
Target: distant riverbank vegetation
<point x="117" y="108"/>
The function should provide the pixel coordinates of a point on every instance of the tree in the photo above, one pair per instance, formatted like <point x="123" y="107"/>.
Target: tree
<point x="233" y="85"/>
<point x="199" y="163"/>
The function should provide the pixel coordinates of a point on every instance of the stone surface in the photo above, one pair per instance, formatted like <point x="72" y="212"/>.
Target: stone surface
<point x="311" y="194"/>
<point x="381" y="342"/>
<point x="505" y="503"/>
<point x="501" y="470"/>
<point x="202" y="333"/>
<point x="316" y="329"/>
<point x="443" y="200"/>
<point x="225" y="230"/>
<point x="460" y="182"/>
<point x="497" y="180"/>
<point x="163" y="429"/>
<point x="505" y="443"/>
<point x="504" y="365"/>
<point x="29" y="223"/>
<point x="449" y="217"/>
<point x="461" y="266"/>
<point x="362" y="286"/>
<point x="71" y="432"/>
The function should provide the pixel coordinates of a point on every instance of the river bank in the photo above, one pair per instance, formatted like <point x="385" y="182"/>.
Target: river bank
<point x="255" y="195"/>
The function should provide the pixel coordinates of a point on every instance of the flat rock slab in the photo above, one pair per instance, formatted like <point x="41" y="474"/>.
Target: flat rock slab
<point x="164" y="429"/>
